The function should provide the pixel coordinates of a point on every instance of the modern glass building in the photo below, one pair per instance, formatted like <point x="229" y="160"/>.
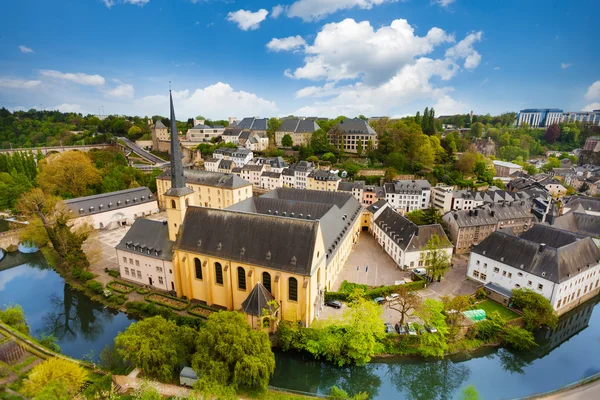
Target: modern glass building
<point x="543" y="118"/>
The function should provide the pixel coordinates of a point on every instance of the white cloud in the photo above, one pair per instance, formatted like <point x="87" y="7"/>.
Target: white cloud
<point x="277" y="11"/>
<point x="353" y="50"/>
<point x="565" y="66"/>
<point x="443" y="3"/>
<point x="121" y="91"/>
<point x="448" y="106"/>
<point x="286" y="44"/>
<point x="311" y="10"/>
<point x="593" y="92"/>
<point x="25" y="49"/>
<point x="219" y="101"/>
<point x="110" y="3"/>
<point x="19" y="83"/>
<point x="496" y="68"/>
<point x="464" y="50"/>
<point x="591" y="107"/>
<point x="248" y="20"/>
<point x="79" y="77"/>
<point x="66" y="107"/>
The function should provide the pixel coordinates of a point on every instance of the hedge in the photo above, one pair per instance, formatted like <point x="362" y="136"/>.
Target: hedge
<point x="380" y="291"/>
<point x="197" y="314"/>
<point x="95" y="286"/>
<point x="112" y="284"/>
<point x="184" y="303"/>
<point x="82" y="275"/>
<point x="143" y="291"/>
<point x="114" y="273"/>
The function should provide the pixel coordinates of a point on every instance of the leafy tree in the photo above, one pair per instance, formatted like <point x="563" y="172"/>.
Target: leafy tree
<point x="62" y="375"/>
<point x="14" y="316"/>
<point x="155" y="346"/>
<point x="457" y="305"/>
<point x="406" y="301"/>
<point x="477" y="129"/>
<point x="537" y="310"/>
<point x="390" y="174"/>
<point x="313" y="159"/>
<point x="272" y="125"/>
<point x="34" y="233"/>
<point x="229" y="352"/>
<point x="470" y="393"/>
<point x="329" y="156"/>
<point x="287" y="141"/>
<point x="466" y="162"/>
<point x="551" y="163"/>
<point x="305" y="152"/>
<point x="319" y="141"/>
<point x="363" y="117"/>
<point x="147" y="392"/>
<point x="359" y="148"/>
<point x="134" y="133"/>
<point x="437" y="260"/>
<point x="517" y="337"/>
<point x="68" y="174"/>
<point x="12" y="185"/>
<point x="552" y="133"/>
<point x="340" y="394"/>
<point x="433" y="344"/>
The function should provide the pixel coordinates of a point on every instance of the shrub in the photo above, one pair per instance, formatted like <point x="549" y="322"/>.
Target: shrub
<point x="117" y="299"/>
<point x="168" y="301"/>
<point x="121" y="287"/>
<point x="480" y="294"/>
<point x="81" y="275"/>
<point x="143" y="291"/>
<point x="489" y="329"/>
<point x="95" y="286"/>
<point x="519" y="338"/>
<point x="202" y="311"/>
<point x="114" y="273"/>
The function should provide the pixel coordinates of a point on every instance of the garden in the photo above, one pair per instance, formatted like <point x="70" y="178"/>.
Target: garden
<point x="167" y="301"/>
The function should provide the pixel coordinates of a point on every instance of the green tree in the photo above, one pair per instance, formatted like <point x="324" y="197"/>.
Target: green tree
<point x="477" y="129"/>
<point x="406" y="301"/>
<point x="147" y="392"/>
<point x="437" y="260"/>
<point x="134" y="133"/>
<point x="551" y="162"/>
<point x="229" y="352"/>
<point x="287" y="141"/>
<point x="466" y="163"/>
<point x="470" y="393"/>
<point x="319" y="141"/>
<point x="14" y="316"/>
<point x="517" y="337"/>
<point x="359" y="148"/>
<point x="65" y="377"/>
<point x="329" y="156"/>
<point x="272" y="125"/>
<point x="68" y="174"/>
<point x="433" y="344"/>
<point x="154" y="345"/>
<point x="537" y="310"/>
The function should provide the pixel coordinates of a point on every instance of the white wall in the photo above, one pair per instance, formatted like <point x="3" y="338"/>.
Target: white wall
<point x="125" y="215"/>
<point x="130" y="263"/>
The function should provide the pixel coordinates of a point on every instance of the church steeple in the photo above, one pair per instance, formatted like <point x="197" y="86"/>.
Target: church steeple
<point x="177" y="178"/>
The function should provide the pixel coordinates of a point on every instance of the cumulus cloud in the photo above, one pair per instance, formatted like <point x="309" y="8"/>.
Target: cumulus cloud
<point x="352" y="50"/>
<point x="496" y="68"/>
<point x="248" y="20"/>
<point x="591" y="107"/>
<point x="110" y="3"/>
<point x="593" y="92"/>
<point x="277" y="11"/>
<point x="79" y="77"/>
<point x="464" y="50"/>
<point x="121" y="91"/>
<point x="286" y="44"/>
<point x="66" y="107"/>
<point x="565" y="66"/>
<point x="219" y="101"/>
<point x="19" y="83"/>
<point x="443" y="3"/>
<point x="311" y="10"/>
<point x="25" y="49"/>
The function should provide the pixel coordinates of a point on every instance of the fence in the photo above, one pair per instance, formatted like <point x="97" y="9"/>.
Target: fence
<point x="565" y="388"/>
<point x="298" y="392"/>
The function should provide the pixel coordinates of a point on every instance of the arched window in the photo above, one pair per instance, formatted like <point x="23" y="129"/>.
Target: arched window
<point x="198" y="266"/>
<point x="219" y="273"/>
<point x="241" y="278"/>
<point x="187" y="202"/>
<point x="266" y="281"/>
<point x="293" y="289"/>
<point x="173" y="204"/>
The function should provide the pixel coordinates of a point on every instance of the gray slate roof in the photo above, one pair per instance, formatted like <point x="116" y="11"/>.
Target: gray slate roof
<point x="376" y="206"/>
<point x="577" y="222"/>
<point x="255" y="124"/>
<point x="321" y="175"/>
<point x="483" y="216"/>
<point x="99" y="203"/>
<point x="587" y="203"/>
<point x="407" y="187"/>
<point x="159" y="125"/>
<point x="147" y="235"/>
<point x="216" y="179"/>
<point x="258" y="300"/>
<point x="356" y="125"/>
<point x="527" y="253"/>
<point x="298" y="125"/>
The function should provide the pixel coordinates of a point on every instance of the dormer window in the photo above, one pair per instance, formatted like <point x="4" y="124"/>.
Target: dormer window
<point x="100" y="206"/>
<point x="126" y="201"/>
<point x="135" y="199"/>
<point x="91" y="208"/>
<point x="118" y="203"/>
<point x="143" y="198"/>
<point x="110" y="205"/>
<point x="81" y="211"/>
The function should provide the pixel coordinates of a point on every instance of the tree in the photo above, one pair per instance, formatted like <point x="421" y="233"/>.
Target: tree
<point x="406" y="301"/>
<point x="517" y="337"/>
<point x="390" y="174"/>
<point x="134" y="133"/>
<point x="12" y="185"/>
<point x="230" y="353"/>
<point x="55" y="371"/>
<point x="552" y="133"/>
<point x="437" y="260"/>
<point x="272" y="125"/>
<point x="329" y="156"/>
<point x="359" y="148"/>
<point x="287" y="141"/>
<point x="14" y="316"/>
<point x="147" y="392"/>
<point x="319" y="141"/>
<point x="433" y="344"/>
<point x="537" y="310"/>
<point x="69" y="174"/>
<point x="477" y="129"/>
<point x="154" y="345"/>
<point x="551" y="163"/>
<point x="470" y="393"/>
<point x="466" y="162"/>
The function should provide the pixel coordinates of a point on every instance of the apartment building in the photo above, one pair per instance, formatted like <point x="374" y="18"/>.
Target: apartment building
<point x="408" y="195"/>
<point x="349" y="132"/>
<point x="323" y="180"/>
<point x="300" y="130"/>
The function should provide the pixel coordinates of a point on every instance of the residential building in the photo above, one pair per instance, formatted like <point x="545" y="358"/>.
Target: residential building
<point x="372" y="194"/>
<point x="322" y="180"/>
<point x="211" y="189"/>
<point x="408" y="195"/>
<point x="239" y="156"/>
<point x="561" y="266"/>
<point x="110" y="210"/>
<point x="457" y="200"/>
<point x="505" y="168"/>
<point x="300" y="130"/>
<point x="470" y="227"/>
<point x="203" y="133"/>
<point x="273" y="164"/>
<point x="145" y="253"/>
<point x="253" y="124"/>
<point x="583" y="117"/>
<point x="587" y="205"/>
<point x="441" y="197"/>
<point x="539" y="118"/>
<point x="271" y="180"/>
<point x="371" y="213"/>
<point x="349" y="132"/>
<point x="406" y="242"/>
<point x="160" y="133"/>
<point x="212" y="164"/>
<point x="301" y="171"/>
<point x="357" y="188"/>
<point x="225" y="166"/>
<point x="253" y="173"/>
<point x="580" y="223"/>
<point x="287" y="178"/>
<point x="232" y="135"/>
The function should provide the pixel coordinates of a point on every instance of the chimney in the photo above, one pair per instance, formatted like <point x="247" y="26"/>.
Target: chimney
<point x="492" y="212"/>
<point x="542" y="247"/>
<point x="476" y="212"/>
<point x="470" y="213"/>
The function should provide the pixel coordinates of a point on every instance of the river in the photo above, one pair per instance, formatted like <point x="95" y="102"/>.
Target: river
<point x="563" y="356"/>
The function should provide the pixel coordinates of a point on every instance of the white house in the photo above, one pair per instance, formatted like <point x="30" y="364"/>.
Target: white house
<point x="144" y="255"/>
<point x="253" y="173"/>
<point x="203" y="133"/>
<point x="562" y="266"/>
<point x="212" y="164"/>
<point x="404" y="241"/>
<point x="110" y="210"/>
<point x="406" y="196"/>
<point x="271" y="180"/>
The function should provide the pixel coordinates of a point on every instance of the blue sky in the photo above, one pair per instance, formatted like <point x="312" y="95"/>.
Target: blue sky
<point x="303" y="57"/>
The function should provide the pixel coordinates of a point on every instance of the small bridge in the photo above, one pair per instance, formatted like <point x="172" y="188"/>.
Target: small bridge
<point x="127" y="145"/>
<point x="9" y="238"/>
<point x="55" y="149"/>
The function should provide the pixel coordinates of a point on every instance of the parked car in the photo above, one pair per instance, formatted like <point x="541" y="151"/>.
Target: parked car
<point x="400" y="329"/>
<point x="411" y="330"/>
<point x="392" y="296"/>
<point x="400" y="282"/>
<point x="379" y="300"/>
<point x="431" y="329"/>
<point x="389" y="328"/>
<point x="333" y="303"/>
<point x="420" y="271"/>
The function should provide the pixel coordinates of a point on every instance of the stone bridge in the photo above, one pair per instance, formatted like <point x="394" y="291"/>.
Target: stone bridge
<point x="58" y="149"/>
<point x="9" y="237"/>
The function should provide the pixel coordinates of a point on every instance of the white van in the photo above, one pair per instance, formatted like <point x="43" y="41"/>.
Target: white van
<point x="420" y="271"/>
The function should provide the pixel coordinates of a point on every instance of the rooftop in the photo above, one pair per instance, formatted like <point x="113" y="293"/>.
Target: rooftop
<point x="148" y="237"/>
<point x="99" y="203"/>
<point x="207" y="178"/>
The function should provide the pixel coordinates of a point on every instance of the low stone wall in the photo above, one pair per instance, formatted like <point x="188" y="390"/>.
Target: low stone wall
<point x="581" y="300"/>
<point x="9" y="238"/>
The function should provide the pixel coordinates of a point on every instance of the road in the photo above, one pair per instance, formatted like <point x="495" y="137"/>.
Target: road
<point x="141" y="152"/>
<point x="585" y="392"/>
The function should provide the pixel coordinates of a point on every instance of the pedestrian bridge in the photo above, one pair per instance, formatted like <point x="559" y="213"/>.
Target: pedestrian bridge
<point x="55" y="149"/>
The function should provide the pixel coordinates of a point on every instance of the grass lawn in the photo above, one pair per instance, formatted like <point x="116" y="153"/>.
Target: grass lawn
<point x="489" y="306"/>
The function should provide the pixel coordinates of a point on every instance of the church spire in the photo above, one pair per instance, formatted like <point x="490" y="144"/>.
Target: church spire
<point x="177" y="177"/>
